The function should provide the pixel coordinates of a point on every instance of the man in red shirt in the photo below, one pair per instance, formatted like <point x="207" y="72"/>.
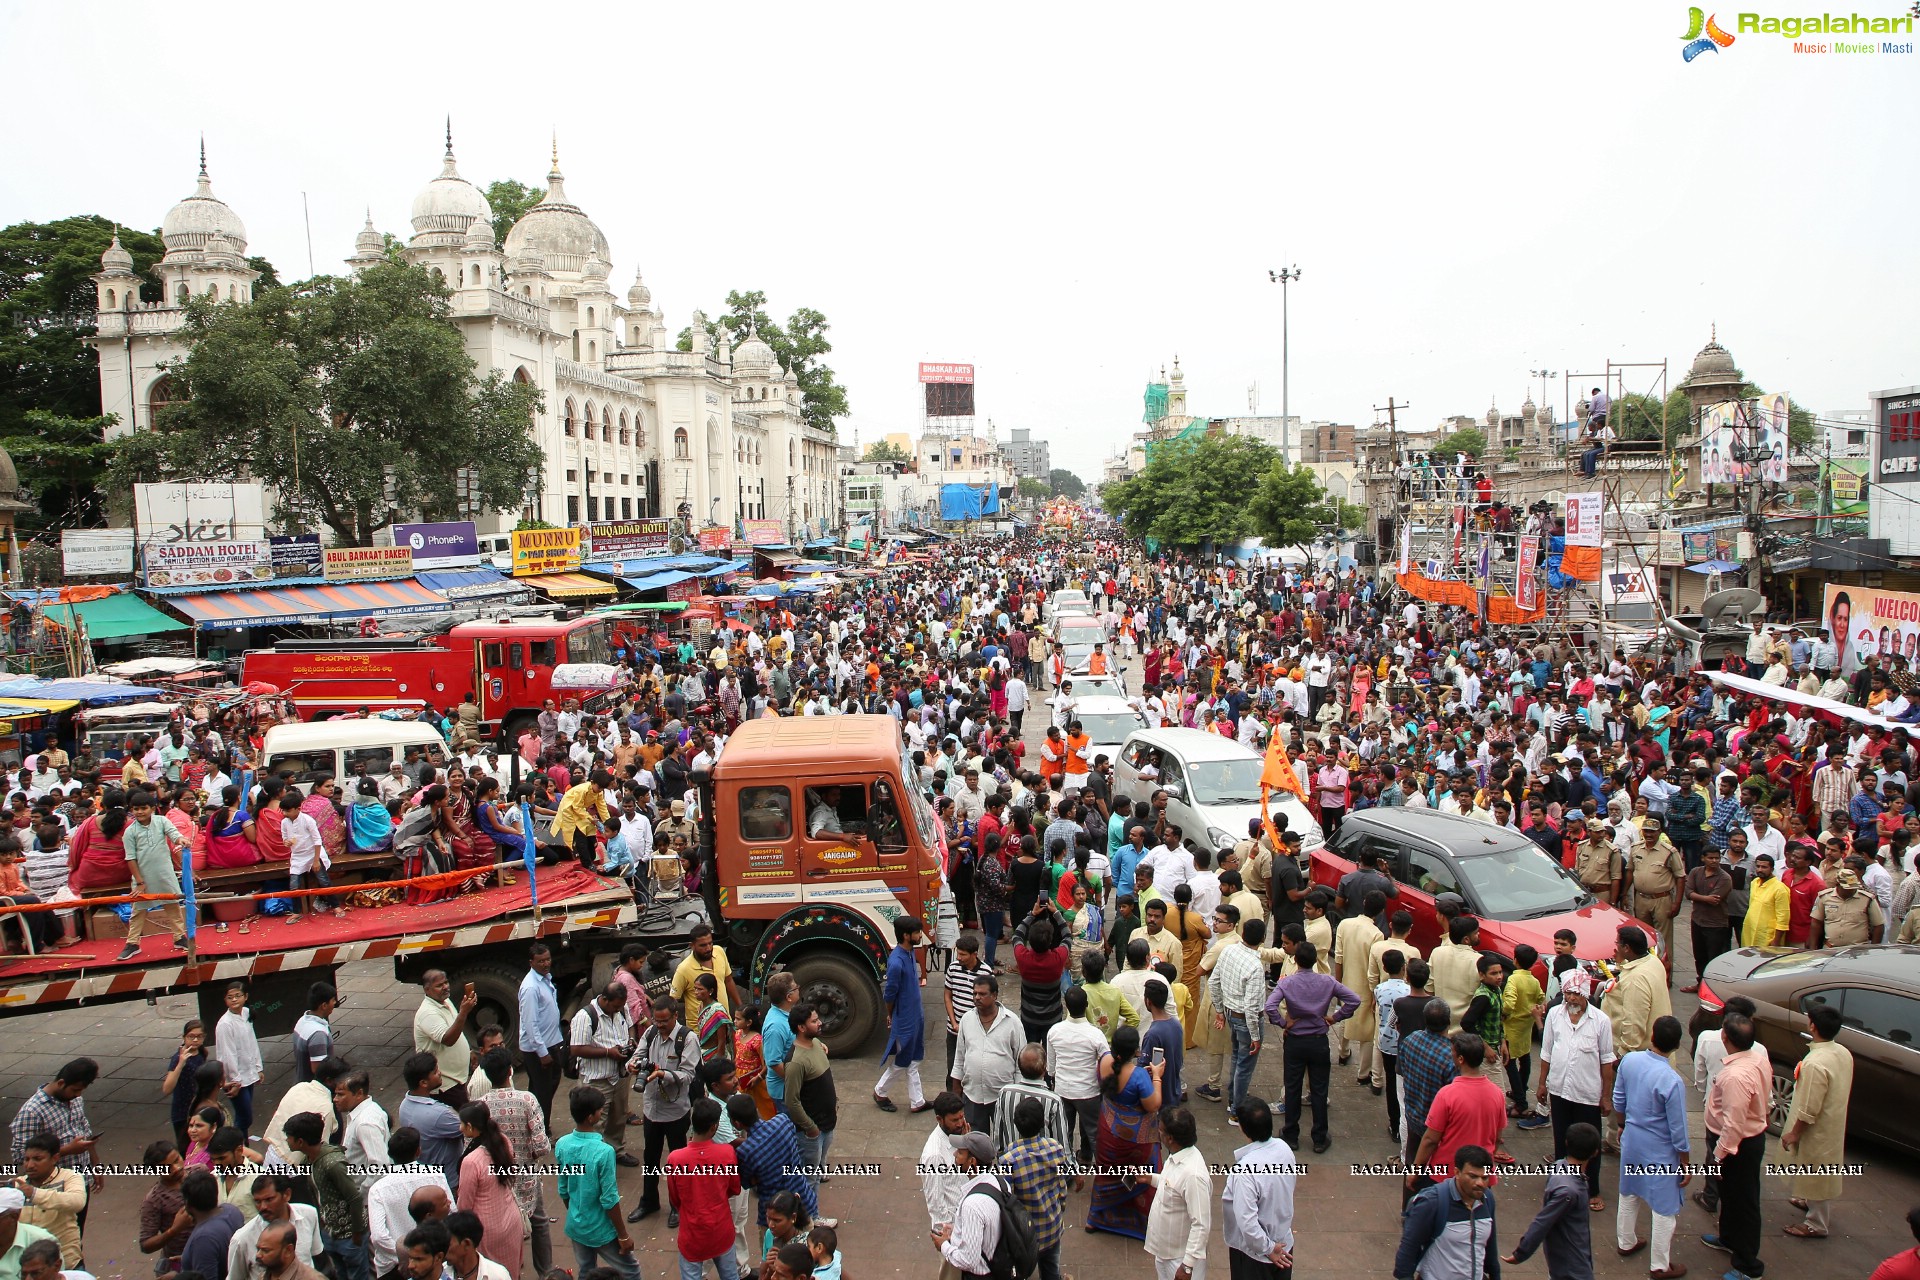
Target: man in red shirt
<point x="1803" y="886"/>
<point x="1904" y="1265"/>
<point x="701" y="1178"/>
<point x="1469" y="1111"/>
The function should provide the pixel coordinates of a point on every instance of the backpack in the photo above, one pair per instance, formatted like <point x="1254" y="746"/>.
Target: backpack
<point x="1017" y="1256"/>
<point x="570" y="1065"/>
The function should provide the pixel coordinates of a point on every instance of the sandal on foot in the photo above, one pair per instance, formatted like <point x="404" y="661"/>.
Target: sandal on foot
<point x="1801" y="1231"/>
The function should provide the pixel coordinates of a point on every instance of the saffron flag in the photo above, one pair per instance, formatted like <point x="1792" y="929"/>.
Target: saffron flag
<point x="1276" y="775"/>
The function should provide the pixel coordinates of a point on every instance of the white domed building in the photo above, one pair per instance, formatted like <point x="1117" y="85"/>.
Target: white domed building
<point x="631" y="428"/>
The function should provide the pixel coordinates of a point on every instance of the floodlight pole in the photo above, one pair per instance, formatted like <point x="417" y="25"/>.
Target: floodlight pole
<point x="1283" y="277"/>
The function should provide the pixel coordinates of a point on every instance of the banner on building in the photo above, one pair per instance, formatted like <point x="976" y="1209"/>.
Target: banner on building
<point x="173" y="514"/>
<point x="89" y="552"/>
<point x="1526" y="587"/>
<point x="546" y="550"/>
<point x="1406" y="545"/>
<point x="1867" y="620"/>
<point x="206" y="564"/>
<point x="618" y="539"/>
<point x="1581" y="560"/>
<point x="365" y="564"/>
<point x="716" y="538"/>
<point x="1845" y="485"/>
<point x="1668" y="547"/>
<point x="764" y="533"/>
<point x="296" y="556"/>
<point x="1697" y="546"/>
<point x="447" y="544"/>
<point x="1628" y="585"/>
<point x="1744" y="440"/>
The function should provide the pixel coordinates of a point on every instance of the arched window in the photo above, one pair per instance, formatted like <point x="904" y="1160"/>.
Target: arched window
<point x="623" y="426"/>
<point x="213" y="290"/>
<point x="586" y="425"/>
<point x="593" y="349"/>
<point x="231" y="295"/>
<point x="589" y="317"/>
<point x="680" y="444"/>
<point x="476" y="273"/>
<point x="438" y="277"/>
<point x="112" y="300"/>
<point x="789" y="453"/>
<point x="163" y="392"/>
<point x="180" y="293"/>
<point x="606" y="425"/>
<point x="566" y="423"/>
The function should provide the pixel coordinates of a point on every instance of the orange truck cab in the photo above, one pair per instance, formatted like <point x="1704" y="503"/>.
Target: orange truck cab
<point x="820" y="843"/>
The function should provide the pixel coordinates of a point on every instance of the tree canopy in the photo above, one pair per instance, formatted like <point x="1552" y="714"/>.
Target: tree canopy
<point x="1466" y="440"/>
<point x="330" y="388"/>
<point x="1192" y="491"/>
<point x="1290" y="506"/>
<point x="1031" y="489"/>
<point x="798" y="344"/>
<point x="886" y="451"/>
<point x="1065" y="484"/>
<point x="509" y="200"/>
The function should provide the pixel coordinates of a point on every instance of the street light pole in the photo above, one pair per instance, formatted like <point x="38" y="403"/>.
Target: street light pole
<point x="1283" y="277"/>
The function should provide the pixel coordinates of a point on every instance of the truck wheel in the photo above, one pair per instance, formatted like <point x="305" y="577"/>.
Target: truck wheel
<point x="512" y="727"/>
<point x="498" y="992"/>
<point x="846" y="996"/>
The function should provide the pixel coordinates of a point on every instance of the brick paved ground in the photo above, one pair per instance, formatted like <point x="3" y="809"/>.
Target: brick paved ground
<point x="1347" y="1224"/>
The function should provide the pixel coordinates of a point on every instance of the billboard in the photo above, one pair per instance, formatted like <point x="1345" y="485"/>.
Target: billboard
<point x="546" y="550"/>
<point x="955" y="373"/>
<point x="1759" y="425"/>
<point x="296" y="557"/>
<point x="84" y="552"/>
<point x="206" y="564"/>
<point x="1581" y="559"/>
<point x="716" y="538"/>
<point x="618" y="539"/>
<point x="444" y="545"/>
<point x="365" y="564"/>
<point x="174" y="514"/>
<point x="1864" y="620"/>
<point x="1846" y="483"/>
<point x="764" y="533"/>
<point x="1526" y="587"/>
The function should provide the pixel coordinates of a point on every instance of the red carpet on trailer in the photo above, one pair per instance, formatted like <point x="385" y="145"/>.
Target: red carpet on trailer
<point x="321" y="929"/>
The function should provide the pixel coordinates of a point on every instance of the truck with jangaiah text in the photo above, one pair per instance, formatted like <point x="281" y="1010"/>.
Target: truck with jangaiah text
<point x="812" y="841"/>
<point x="508" y="667"/>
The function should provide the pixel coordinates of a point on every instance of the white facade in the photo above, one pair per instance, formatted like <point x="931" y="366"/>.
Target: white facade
<point x="630" y="428"/>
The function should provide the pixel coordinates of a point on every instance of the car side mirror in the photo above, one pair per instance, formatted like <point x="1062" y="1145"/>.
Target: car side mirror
<point x="1173" y="789"/>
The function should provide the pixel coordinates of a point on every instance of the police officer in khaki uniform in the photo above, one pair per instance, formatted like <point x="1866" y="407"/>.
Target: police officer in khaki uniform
<point x="1658" y="872"/>
<point x="1845" y="917"/>
<point x="678" y="824"/>
<point x="1596" y="863"/>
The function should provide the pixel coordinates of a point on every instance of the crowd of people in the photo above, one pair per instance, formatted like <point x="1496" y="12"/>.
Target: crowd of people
<point x="1124" y="944"/>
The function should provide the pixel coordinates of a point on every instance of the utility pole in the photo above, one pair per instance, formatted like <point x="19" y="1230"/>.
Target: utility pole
<point x="1393" y="425"/>
<point x="1284" y="277"/>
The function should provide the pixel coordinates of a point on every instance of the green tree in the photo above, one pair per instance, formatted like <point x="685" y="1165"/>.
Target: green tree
<point x="1065" y="484"/>
<point x="47" y="302"/>
<point x="60" y="460"/>
<point x="1291" y="506"/>
<point x="798" y="344"/>
<point x="1032" y="490"/>
<point x="886" y="451"/>
<point x="1466" y="440"/>
<point x="509" y="200"/>
<point x="1192" y="491"/>
<point x="328" y="390"/>
<point x="1638" y="417"/>
<point x="269" y="278"/>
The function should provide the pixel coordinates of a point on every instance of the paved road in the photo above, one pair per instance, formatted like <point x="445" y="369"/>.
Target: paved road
<point x="1347" y="1222"/>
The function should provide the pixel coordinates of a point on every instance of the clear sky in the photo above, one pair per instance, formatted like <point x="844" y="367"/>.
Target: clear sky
<point x="1067" y="195"/>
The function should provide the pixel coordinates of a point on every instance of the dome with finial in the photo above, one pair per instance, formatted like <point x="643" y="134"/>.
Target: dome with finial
<point x="1526" y="408"/>
<point x="597" y="269"/>
<point x="369" y="241"/>
<point x="116" y="258"/>
<point x="480" y="236"/>
<point x="639" y="297"/>
<point x="1545" y="416"/>
<point x="568" y="237"/>
<point x="189" y="223"/>
<point x="448" y="205"/>
<point x="1714" y="362"/>
<point x="753" y="357"/>
<point x="219" y="251"/>
<point x="1493" y="415"/>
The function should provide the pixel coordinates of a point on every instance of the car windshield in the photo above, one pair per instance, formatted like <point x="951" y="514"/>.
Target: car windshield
<point x="1088" y="686"/>
<point x="1521" y="883"/>
<point x="1083" y="635"/>
<point x="1225" y="781"/>
<point x="1109" y="726"/>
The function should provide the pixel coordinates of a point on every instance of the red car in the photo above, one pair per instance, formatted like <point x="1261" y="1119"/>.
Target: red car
<point x="1518" y="891"/>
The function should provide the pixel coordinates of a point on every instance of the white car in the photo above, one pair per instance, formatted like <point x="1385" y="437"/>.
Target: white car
<point x="1107" y="721"/>
<point x="1212" y="785"/>
<point x="1068" y="601"/>
<point x="1111" y="685"/>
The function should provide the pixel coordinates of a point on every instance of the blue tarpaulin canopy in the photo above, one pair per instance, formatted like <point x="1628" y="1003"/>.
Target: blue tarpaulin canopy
<point x="469" y="584"/>
<point x="91" y="692"/>
<point x="968" y="502"/>
<point x="660" y="581"/>
<point x="1713" y="566"/>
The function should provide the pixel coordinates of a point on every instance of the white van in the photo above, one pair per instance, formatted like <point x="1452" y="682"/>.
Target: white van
<point x="302" y="753"/>
<point x="1212" y="785"/>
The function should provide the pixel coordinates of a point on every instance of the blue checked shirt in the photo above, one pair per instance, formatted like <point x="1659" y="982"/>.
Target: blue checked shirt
<point x="1728" y="815"/>
<point x="1034" y="1169"/>
<point x="1426" y="1064"/>
<point x="66" y="1121"/>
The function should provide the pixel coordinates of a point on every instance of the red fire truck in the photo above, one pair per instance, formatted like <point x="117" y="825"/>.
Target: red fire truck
<point x="508" y="667"/>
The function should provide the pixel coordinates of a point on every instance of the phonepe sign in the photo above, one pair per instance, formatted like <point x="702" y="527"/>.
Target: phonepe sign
<point x="452" y="542"/>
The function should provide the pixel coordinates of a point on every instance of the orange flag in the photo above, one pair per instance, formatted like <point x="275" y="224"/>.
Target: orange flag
<point x="1277" y="775"/>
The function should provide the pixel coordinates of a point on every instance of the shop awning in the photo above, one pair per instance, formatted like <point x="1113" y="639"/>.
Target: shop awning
<point x="469" y="584"/>
<point x="660" y="581"/>
<point x="113" y="617"/>
<point x="295" y="606"/>
<point x="58" y="695"/>
<point x="567" y="586"/>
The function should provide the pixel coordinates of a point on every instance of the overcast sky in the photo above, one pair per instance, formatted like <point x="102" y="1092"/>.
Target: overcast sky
<point x="1069" y="195"/>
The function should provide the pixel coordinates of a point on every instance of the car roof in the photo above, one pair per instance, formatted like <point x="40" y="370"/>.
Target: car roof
<point x="1894" y="962"/>
<point x="1460" y="836"/>
<point x="326" y="735"/>
<point x="1193" y="744"/>
<point x="1102" y="703"/>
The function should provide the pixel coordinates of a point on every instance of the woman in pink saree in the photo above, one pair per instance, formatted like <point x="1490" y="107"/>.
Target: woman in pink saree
<point x="230" y="833"/>
<point x="322" y="803"/>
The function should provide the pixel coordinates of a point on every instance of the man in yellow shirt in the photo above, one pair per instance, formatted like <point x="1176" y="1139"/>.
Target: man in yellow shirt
<point x="704" y="957"/>
<point x="1769" y="907"/>
<point x="582" y="812"/>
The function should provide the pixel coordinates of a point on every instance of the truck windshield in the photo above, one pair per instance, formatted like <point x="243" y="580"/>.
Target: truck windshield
<point x="923" y="819"/>
<point x="589" y="643"/>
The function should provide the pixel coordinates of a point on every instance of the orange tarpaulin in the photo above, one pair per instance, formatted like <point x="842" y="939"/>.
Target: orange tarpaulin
<point x="1582" y="563"/>
<point x="1502" y="610"/>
